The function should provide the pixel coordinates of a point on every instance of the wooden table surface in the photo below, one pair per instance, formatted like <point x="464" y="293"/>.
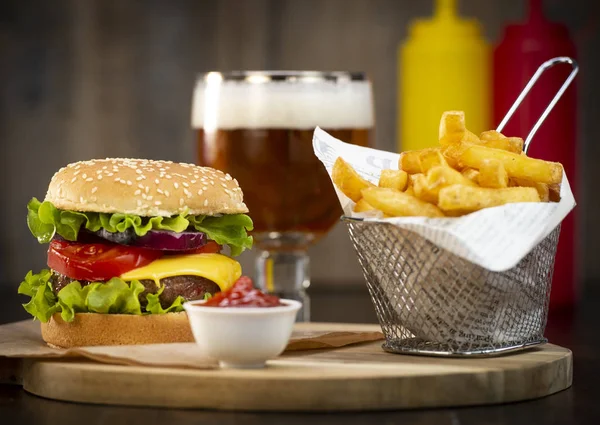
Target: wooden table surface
<point x="577" y="405"/>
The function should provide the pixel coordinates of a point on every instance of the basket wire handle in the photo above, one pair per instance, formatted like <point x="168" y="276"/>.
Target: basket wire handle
<point x="543" y="67"/>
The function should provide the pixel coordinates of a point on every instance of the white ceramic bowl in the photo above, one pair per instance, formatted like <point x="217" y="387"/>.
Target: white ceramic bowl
<point x="242" y="337"/>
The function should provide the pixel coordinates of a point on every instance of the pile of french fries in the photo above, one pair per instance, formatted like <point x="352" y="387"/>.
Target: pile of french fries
<point x="464" y="174"/>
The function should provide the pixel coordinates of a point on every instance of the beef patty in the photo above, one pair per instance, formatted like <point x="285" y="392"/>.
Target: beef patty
<point x="189" y="287"/>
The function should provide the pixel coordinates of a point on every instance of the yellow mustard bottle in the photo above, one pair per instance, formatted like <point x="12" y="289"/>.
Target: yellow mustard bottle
<point x="445" y="64"/>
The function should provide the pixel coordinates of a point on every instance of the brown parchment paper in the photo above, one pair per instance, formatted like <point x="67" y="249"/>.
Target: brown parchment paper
<point x="24" y="340"/>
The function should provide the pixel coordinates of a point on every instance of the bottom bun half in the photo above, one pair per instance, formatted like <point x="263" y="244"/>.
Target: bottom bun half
<point x="116" y="329"/>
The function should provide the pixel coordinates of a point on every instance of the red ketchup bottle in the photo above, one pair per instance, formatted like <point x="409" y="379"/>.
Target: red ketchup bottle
<point x="523" y="49"/>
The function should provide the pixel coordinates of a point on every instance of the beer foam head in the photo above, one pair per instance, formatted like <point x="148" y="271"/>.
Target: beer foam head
<point x="264" y="103"/>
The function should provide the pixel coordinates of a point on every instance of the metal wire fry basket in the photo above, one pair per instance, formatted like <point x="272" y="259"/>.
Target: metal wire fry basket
<point x="429" y="301"/>
<point x="432" y="302"/>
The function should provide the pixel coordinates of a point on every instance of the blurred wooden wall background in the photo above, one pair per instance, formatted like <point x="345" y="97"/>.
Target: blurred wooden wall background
<point x="97" y="78"/>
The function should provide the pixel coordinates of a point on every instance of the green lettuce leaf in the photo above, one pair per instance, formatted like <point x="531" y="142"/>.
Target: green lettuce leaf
<point x="113" y="297"/>
<point x="226" y="230"/>
<point x="44" y="220"/>
<point x="43" y="303"/>
<point x="154" y="307"/>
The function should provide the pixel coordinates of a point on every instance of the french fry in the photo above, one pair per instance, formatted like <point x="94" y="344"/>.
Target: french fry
<point x="394" y="179"/>
<point x="511" y="144"/>
<point x="399" y="204"/>
<point x="542" y="188"/>
<point x="453" y="152"/>
<point x="362" y="206"/>
<point x="468" y="198"/>
<point x="431" y="159"/>
<point x="520" y="166"/>
<point x="492" y="174"/>
<point x="470" y="137"/>
<point x="410" y="161"/>
<point x="497" y="140"/>
<point x="439" y="177"/>
<point x="472" y="174"/>
<point x="491" y="135"/>
<point x="348" y="180"/>
<point x="554" y="192"/>
<point x="452" y="127"/>
<point x="421" y="189"/>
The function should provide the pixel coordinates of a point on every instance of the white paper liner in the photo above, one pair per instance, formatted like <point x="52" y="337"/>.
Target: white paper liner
<point x="494" y="238"/>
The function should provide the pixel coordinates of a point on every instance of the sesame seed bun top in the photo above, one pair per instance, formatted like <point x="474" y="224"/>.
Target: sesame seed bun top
<point x="144" y="187"/>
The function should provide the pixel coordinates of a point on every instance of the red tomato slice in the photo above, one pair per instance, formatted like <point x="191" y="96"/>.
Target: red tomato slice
<point x="97" y="261"/>
<point x="211" y="247"/>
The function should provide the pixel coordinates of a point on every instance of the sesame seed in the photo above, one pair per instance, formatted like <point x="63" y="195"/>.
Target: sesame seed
<point x="187" y="193"/>
<point x="156" y="181"/>
<point x="181" y="201"/>
<point x="89" y="179"/>
<point x="185" y="184"/>
<point x="117" y="179"/>
<point x="204" y="187"/>
<point x="168" y="176"/>
<point x="176" y="185"/>
<point x="105" y="167"/>
<point x="193" y="181"/>
<point x="157" y="203"/>
<point x="149" y="197"/>
<point x="84" y="176"/>
<point x="147" y="189"/>
<point x="94" y="189"/>
<point x="144" y="196"/>
<point x="137" y="192"/>
<point x="138" y="171"/>
<point x="227" y="177"/>
<point x="109" y="174"/>
<point x="160" y="191"/>
<point x="139" y="203"/>
<point x="206" y="202"/>
<point x="73" y="179"/>
<point x="212" y="182"/>
<point x="139" y="178"/>
<point x="76" y="172"/>
<point x="141" y="186"/>
<point x="99" y="176"/>
<point x="200" y="192"/>
<point x="129" y="183"/>
<point x="167" y="193"/>
<point x="223" y="184"/>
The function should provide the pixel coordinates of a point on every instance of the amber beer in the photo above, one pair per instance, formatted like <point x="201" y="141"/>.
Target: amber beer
<point x="259" y="128"/>
<point x="286" y="187"/>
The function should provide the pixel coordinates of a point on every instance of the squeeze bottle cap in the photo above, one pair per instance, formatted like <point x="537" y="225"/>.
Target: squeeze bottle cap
<point x="445" y="23"/>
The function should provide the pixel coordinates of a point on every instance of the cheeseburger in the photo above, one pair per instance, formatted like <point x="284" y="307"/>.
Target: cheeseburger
<point x="130" y="241"/>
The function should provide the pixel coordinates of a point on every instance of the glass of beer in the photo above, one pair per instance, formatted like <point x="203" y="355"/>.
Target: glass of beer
<point x="258" y="127"/>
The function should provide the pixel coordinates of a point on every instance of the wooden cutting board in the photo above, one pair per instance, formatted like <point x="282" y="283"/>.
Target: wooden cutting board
<point x="358" y="377"/>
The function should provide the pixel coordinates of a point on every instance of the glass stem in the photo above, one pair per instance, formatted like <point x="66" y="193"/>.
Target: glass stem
<point x="285" y="274"/>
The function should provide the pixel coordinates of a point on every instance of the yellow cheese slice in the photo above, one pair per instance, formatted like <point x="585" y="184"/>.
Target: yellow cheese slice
<point x="221" y="269"/>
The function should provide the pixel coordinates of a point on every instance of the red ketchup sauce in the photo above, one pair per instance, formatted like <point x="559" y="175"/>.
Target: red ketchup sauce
<point x="243" y="294"/>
